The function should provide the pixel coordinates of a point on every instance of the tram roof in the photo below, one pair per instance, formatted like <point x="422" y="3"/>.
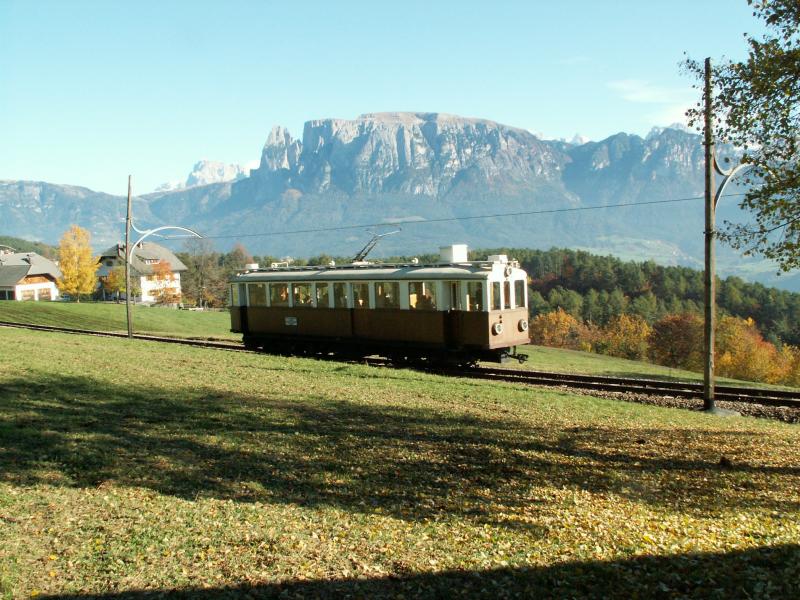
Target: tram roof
<point x="377" y="272"/>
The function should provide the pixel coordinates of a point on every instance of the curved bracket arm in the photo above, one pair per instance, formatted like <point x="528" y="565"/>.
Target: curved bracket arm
<point x="728" y="175"/>
<point x="133" y="226"/>
<point x="152" y="231"/>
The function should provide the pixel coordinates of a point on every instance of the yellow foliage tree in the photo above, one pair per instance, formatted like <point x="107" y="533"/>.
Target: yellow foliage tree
<point x="789" y="365"/>
<point x="558" y="329"/>
<point x="743" y="354"/>
<point x="77" y="266"/>
<point x="165" y="292"/>
<point x="625" y="336"/>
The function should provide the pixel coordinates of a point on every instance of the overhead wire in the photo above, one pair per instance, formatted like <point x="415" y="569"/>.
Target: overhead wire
<point x="401" y="222"/>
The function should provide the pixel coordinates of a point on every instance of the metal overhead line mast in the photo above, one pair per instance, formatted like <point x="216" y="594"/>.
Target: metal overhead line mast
<point x="712" y="197"/>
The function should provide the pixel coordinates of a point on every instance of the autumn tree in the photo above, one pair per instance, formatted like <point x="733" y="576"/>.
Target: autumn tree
<point x="237" y="258"/>
<point x="757" y="102"/>
<point x="165" y="291"/>
<point x="625" y="336"/>
<point x="114" y="282"/>
<point x="204" y="282"/>
<point x="742" y="352"/>
<point x="75" y="261"/>
<point x="558" y="329"/>
<point x="677" y="341"/>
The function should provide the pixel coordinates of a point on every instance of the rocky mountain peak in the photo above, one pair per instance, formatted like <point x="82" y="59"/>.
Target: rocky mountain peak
<point x="428" y="154"/>
<point x="206" y="172"/>
<point x="280" y="150"/>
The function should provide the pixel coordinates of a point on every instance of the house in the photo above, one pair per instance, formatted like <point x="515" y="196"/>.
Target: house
<point x="28" y="276"/>
<point x="157" y="269"/>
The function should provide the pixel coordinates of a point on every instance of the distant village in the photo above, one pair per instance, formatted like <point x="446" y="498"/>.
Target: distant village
<point x="155" y="271"/>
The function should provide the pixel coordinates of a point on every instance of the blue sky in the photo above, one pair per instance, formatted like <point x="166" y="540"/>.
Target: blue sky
<point x="92" y="91"/>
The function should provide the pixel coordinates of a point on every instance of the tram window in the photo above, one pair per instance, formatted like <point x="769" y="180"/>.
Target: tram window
<point x="475" y="296"/>
<point x="257" y="294"/>
<point x="519" y="293"/>
<point x="322" y="295"/>
<point x="279" y="294"/>
<point x="340" y="295"/>
<point x="301" y="294"/>
<point x="496" y="296"/>
<point x="507" y="291"/>
<point x="422" y="295"/>
<point x="387" y="294"/>
<point x="360" y="295"/>
<point x="234" y="295"/>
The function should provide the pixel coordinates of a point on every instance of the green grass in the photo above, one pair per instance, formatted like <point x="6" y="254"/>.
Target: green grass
<point x="97" y="316"/>
<point x="558" y="360"/>
<point x="216" y="325"/>
<point x="130" y="466"/>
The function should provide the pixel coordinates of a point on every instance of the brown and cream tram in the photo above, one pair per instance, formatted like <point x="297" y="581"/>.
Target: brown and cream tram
<point x="454" y="310"/>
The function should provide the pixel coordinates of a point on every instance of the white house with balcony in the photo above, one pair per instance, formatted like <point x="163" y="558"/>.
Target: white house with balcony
<point x="28" y="276"/>
<point x="148" y="264"/>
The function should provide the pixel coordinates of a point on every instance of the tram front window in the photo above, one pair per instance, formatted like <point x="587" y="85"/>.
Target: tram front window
<point x="475" y="296"/>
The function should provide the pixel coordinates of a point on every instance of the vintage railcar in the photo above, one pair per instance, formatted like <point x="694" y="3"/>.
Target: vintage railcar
<point x="455" y="310"/>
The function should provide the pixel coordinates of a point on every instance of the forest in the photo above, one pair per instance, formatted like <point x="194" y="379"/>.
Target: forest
<point x="594" y="289"/>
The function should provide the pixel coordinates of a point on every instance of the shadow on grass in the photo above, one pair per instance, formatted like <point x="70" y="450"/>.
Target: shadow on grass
<point x="410" y="463"/>
<point x="758" y="573"/>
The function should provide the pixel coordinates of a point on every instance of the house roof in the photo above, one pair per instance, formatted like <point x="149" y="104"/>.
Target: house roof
<point x="145" y="256"/>
<point x="15" y="267"/>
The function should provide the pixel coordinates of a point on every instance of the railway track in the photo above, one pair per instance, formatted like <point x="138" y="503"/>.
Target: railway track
<point x="650" y="387"/>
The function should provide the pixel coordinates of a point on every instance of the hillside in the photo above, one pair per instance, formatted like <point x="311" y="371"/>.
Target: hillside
<point x="21" y="245"/>
<point x="409" y="168"/>
<point x="221" y="474"/>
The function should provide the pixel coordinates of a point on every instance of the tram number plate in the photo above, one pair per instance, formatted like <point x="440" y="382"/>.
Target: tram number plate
<point x="290" y="321"/>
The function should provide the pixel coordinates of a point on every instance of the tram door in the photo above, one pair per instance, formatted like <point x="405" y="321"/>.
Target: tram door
<point x="454" y="295"/>
<point x="243" y="307"/>
<point x="452" y="290"/>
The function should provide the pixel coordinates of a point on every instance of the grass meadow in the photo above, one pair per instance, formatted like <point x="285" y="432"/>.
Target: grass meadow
<point x="131" y="469"/>
<point x="108" y="316"/>
<point x="216" y="325"/>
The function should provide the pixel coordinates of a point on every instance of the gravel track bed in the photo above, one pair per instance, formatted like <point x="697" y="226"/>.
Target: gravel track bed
<point x="780" y="413"/>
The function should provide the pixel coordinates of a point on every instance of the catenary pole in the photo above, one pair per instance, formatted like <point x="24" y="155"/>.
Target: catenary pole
<point x="710" y="233"/>
<point x="127" y="264"/>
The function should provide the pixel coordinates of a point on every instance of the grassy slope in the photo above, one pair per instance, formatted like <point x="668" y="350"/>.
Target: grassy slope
<point x="216" y="325"/>
<point x="111" y="317"/>
<point x="573" y="361"/>
<point x="131" y="465"/>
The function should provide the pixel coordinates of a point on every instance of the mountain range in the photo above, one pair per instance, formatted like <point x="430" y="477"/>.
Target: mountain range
<point x="430" y="174"/>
